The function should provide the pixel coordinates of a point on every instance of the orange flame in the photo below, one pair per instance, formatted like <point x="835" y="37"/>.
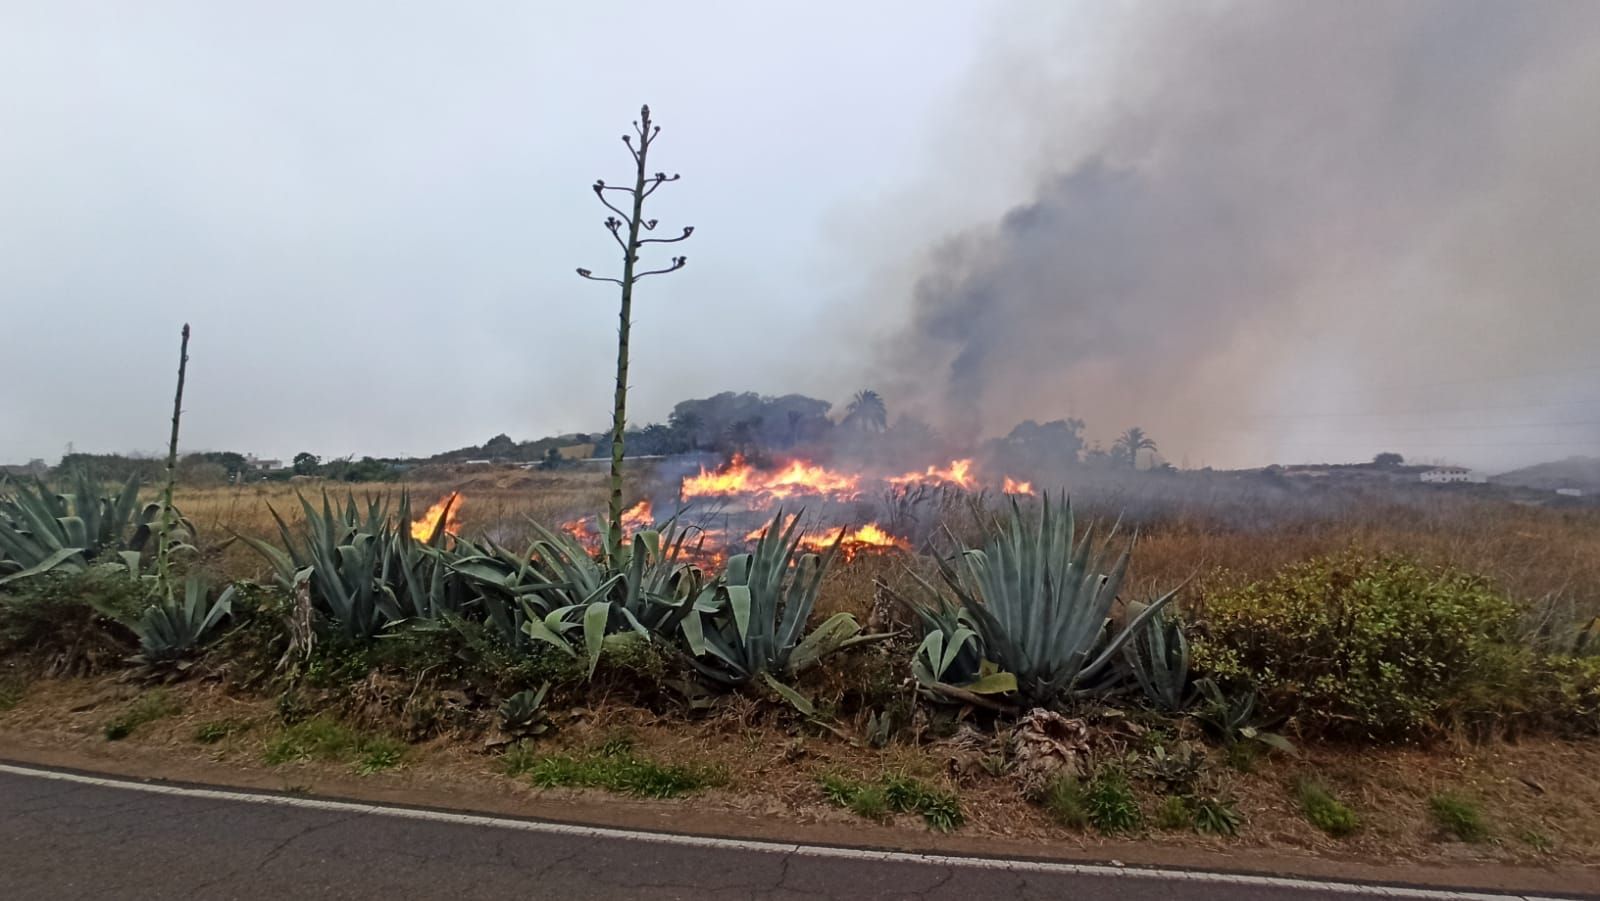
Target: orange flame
<point x="422" y="529"/>
<point x="739" y="477"/>
<point x="1012" y="486"/>
<point x="639" y="516"/>
<point x="869" y="537"/>
<point x="959" y="474"/>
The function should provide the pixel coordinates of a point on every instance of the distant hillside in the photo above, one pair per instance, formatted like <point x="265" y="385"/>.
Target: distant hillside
<point x="1574" y="472"/>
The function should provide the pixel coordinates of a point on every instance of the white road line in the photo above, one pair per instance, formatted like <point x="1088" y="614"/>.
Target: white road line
<point x="767" y="847"/>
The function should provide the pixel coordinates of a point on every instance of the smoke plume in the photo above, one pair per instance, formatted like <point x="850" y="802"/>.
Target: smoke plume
<point x="1287" y="230"/>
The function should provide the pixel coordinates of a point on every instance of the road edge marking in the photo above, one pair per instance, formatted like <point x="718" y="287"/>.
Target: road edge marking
<point x="1017" y="865"/>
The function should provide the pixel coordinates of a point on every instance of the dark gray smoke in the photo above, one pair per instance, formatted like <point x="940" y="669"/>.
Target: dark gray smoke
<point x="1292" y="230"/>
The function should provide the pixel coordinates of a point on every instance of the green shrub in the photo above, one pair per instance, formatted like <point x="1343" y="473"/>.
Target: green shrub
<point x="1214" y="816"/>
<point x="71" y="622"/>
<point x="1324" y="811"/>
<point x="1459" y="816"/>
<point x="1175" y="812"/>
<point x="1352" y="644"/>
<point x="379" y="754"/>
<point x="1111" y="803"/>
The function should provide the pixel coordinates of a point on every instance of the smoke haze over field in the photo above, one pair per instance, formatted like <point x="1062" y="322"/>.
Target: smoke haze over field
<point x="1265" y="231"/>
<point x="1288" y="230"/>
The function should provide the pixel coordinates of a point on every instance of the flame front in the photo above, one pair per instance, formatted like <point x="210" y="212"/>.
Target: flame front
<point x="958" y="473"/>
<point x="869" y="537"/>
<point x="448" y="509"/>
<point x="1013" y="486"/>
<point x="588" y="532"/>
<point x="798" y="477"/>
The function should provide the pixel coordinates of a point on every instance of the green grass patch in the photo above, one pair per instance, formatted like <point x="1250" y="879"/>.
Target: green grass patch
<point x="1111" y="804"/>
<point x="11" y="692"/>
<point x="1324" y="811"/>
<point x="1537" y="840"/>
<point x="518" y="758"/>
<point x="146" y="709"/>
<point x="1459" y="816"/>
<point x="614" y="767"/>
<point x="209" y="733"/>
<point x="1064" y="800"/>
<point x="895" y="793"/>
<point x="321" y="738"/>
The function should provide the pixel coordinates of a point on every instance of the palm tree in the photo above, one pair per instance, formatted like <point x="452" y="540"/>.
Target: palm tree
<point x="867" y="411"/>
<point x="1129" y="444"/>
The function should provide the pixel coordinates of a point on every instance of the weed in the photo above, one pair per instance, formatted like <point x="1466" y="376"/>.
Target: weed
<point x="620" y="771"/>
<point x="379" y="754"/>
<point x="1214" y="816"/>
<point x="147" y="709"/>
<point x="518" y="759"/>
<point x="209" y="733"/>
<point x="1063" y="799"/>
<point x="1537" y="840"/>
<point x="1459" y="816"/>
<point x="1175" y="813"/>
<point x="896" y="793"/>
<point x="11" y="691"/>
<point x="1324" y="811"/>
<point x="1111" y="804"/>
<point x="321" y="738"/>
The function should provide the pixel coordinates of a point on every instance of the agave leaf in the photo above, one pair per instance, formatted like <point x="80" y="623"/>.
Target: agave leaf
<point x="799" y="701"/>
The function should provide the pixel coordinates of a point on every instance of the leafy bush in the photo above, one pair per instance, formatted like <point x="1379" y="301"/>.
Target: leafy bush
<point x="1459" y="816"/>
<point x="1355" y="645"/>
<point x="1175" y="812"/>
<point x="1324" y="811"/>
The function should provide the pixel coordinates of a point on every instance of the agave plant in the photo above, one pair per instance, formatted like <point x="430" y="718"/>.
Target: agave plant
<point x="523" y="715"/>
<point x="649" y="592"/>
<point x="1233" y="719"/>
<point x="1159" y="658"/>
<point x="42" y="531"/>
<point x="1039" y="598"/>
<point x="757" y="631"/>
<point x="172" y="628"/>
<point x="366" y="571"/>
<point x="949" y="664"/>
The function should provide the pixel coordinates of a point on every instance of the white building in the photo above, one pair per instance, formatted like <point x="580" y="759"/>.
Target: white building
<point x="1444" y="474"/>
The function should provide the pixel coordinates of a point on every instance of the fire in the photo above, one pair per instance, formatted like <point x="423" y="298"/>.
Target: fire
<point x="959" y="474"/>
<point x="639" y="516"/>
<point x="869" y="537"/>
<point x="1013" y="486"/>
<point x="447" y="509"/>
<point x="739" y="477"/>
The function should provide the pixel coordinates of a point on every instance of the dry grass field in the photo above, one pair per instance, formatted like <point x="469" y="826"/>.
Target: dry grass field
<point x="1547" y="559"/>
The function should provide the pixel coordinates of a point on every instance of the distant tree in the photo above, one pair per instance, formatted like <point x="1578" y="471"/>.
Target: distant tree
<point x="1388" y="458"/>
<point x="741" y="436"/>
<point x="552" y="459"/>
<point x="633" y="220"/>
<point x="687" y="424"/>
<point x="867" y="412"/>
<point x="1129" y="444"/>
<point x="306" y="463"/>
<point x="1031" y="446"/>
<point x="499" y="446"/>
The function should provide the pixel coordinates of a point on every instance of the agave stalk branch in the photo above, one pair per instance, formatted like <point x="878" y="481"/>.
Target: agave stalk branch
<point x="163" y="540"/>
<point x="635" y="221"/>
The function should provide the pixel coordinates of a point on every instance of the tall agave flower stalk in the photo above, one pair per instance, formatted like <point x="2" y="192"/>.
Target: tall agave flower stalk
<point x="164" y="539"/>
<point x="644" y="185"/>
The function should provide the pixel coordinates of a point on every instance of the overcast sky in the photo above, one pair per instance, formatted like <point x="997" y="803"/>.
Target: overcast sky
<point x="370" y="214"/>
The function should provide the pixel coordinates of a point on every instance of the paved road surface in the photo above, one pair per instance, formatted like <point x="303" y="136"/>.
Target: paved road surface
<point x="78" y="838"/>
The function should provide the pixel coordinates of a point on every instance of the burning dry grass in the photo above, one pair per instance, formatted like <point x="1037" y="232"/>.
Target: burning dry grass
<point x="1539" y="555"/>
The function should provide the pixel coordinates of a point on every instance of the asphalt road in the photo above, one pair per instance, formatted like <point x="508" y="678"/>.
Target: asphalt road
<point x="83" y="839"/>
